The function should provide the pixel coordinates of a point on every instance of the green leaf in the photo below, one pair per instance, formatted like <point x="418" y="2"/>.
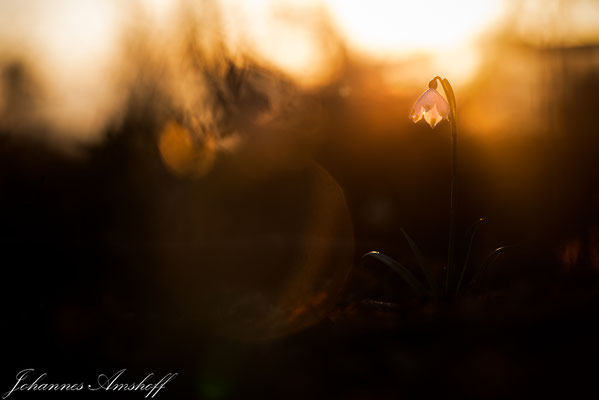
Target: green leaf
<point x="421" y="262"/>
<point x="400" y="269"/>
<point x="469" y="238"/>
<point x="494" y="255"/>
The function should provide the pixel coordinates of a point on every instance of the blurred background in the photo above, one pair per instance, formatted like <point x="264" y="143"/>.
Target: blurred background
<point x="201" y="178"/>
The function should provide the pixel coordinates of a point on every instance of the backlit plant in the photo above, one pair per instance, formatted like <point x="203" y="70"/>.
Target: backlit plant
<point x="433" y="107"/>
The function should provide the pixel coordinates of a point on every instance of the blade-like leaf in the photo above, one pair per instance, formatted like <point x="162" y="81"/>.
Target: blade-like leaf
<point x="469" y="238"/>
<point x="489" y="261"/>
<point x="421" y="262"/>
<point x="400" y="269"/>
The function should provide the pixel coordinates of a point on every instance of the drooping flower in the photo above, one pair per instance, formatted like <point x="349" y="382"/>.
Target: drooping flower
<point x="432" y="106"/>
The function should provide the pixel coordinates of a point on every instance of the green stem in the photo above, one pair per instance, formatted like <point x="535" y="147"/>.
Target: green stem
<point x="452" y="205"/>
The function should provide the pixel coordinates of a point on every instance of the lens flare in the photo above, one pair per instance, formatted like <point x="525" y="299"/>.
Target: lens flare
<point x="182" y="155"/>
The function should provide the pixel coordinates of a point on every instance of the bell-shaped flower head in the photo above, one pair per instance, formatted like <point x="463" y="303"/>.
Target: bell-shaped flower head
<point x="432" y="106"/>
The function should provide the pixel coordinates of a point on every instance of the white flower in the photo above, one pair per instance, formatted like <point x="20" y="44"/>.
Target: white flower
<point x="432" y="106"/>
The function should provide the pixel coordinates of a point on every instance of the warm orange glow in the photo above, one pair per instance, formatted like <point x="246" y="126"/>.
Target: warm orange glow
<point x="378" y="30"/>
<point x="382" y="28"/>
<point x="273" y="33"/>
<point x="182" y="155"/>
<point x="442" y="33"/>
<point x="83" y="54"/>
<point x="75" y="44"/>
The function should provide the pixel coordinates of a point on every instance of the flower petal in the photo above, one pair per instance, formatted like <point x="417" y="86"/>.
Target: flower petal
<point x="432" y="106"/>
<point x="416" y="114"/>
<point x="443" y="109"/>
<point x="433" y="117"/>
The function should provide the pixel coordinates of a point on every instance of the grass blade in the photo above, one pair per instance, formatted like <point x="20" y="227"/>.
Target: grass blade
<point x="489" y="261"/>
<point x="469" y="238"/>
<point x="400" y="269"/>
<point x="421" y="263"/>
